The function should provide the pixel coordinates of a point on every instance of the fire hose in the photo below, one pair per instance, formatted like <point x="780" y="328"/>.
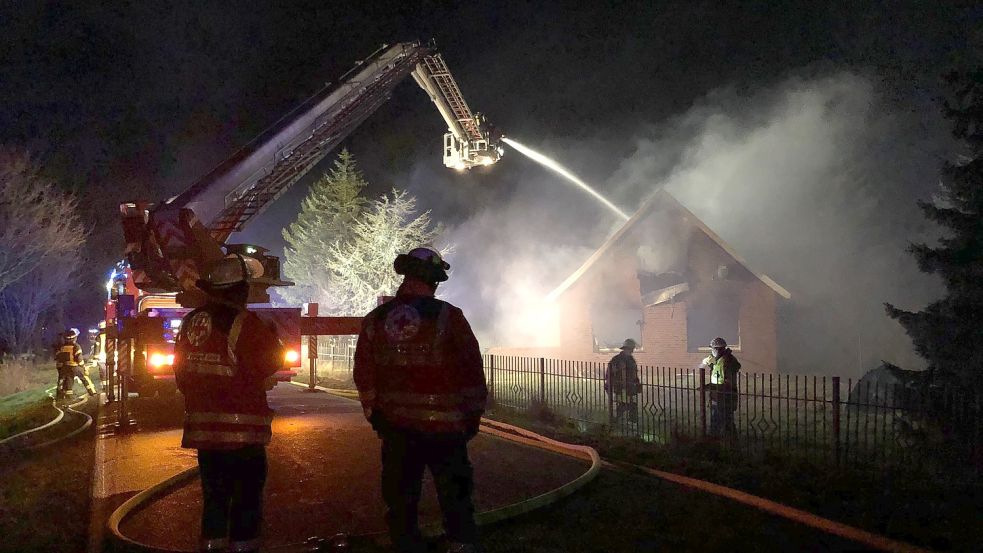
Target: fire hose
<point x="499" y="514"/>
<point x="521" y="435"/>
<point x="58" y="418"/>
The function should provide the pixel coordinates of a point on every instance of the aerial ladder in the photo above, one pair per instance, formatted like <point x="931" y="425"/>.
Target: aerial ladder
<point x="168" y="244"/>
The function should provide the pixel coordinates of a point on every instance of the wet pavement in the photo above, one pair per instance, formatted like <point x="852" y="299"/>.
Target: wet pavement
<point x="324" y="472"/>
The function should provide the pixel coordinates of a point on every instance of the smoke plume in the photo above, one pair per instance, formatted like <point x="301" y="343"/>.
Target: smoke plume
<point x="813" y="181"/>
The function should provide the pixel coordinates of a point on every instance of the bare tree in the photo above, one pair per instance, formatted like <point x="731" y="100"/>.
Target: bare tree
<point x="38" y="222"/>
<point x="31" y="302"/>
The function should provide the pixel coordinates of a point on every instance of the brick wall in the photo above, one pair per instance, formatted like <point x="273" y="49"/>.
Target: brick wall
<point x="664" y="339"/>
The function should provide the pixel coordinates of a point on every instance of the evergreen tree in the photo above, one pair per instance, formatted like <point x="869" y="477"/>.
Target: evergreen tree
<point x="326" y="218"/>
<point x="949" y="332"/>
<point x="362" y="268"/>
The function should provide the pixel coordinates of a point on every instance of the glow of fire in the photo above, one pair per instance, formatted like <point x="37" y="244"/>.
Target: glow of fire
<point x="564" y="172"/>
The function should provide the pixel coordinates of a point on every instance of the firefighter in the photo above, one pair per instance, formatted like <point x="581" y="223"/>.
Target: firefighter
<point x="70" y="364"/>
<point x="223" y="355"/>
<point x="622" y="385"/>
<point x="419" y="375"/>
<point x="723" y="387"/>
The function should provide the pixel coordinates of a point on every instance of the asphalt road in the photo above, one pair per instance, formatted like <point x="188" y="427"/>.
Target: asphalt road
<point x="324" y="472"/>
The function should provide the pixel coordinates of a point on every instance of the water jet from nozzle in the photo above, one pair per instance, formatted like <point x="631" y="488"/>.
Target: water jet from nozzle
<point x="564" y="172"/>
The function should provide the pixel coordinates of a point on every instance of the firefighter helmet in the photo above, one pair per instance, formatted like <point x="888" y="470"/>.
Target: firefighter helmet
<point x="424" y="263"/>
<point x="72" y="334"/>
<point x="718" y="342"/>
<point x="231" y="270"/>
<point x="629" y="344"/>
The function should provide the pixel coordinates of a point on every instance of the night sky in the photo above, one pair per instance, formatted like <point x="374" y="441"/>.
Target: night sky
<point x="127" y="100"/>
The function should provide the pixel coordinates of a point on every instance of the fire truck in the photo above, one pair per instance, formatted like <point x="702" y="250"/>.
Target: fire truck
<point x="169" y="243"/>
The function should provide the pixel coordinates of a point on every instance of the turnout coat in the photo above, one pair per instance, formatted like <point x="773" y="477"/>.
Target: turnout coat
<point x="418" y="365"/>
<point x="222" y="359"/>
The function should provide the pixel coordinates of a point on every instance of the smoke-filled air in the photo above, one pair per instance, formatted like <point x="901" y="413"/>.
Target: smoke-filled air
<point x="813" y="182"/>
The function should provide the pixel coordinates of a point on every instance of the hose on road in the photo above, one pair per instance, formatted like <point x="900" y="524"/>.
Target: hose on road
<point x="527" y="437"/>
<point x="495" y="428"/>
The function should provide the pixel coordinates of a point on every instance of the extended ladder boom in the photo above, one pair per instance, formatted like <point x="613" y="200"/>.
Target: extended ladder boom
<point x="169" y="242"/>
<point x="469" y="141"/>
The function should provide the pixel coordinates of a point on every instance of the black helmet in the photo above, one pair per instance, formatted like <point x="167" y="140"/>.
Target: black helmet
<point x="423" y="263"/>
<point x="629" y="344"/>
<point x="718" y="342"/>
<point x="229" y="271"/>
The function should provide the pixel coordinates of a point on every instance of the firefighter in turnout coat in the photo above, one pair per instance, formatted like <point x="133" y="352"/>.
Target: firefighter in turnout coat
<point x="223" y="355"/>
<point x="622" y="384"/>
<point x="419" y="375"/>
<point x="70" y="365"/>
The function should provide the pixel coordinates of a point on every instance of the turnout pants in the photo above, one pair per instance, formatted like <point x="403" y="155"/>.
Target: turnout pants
<point x="723" y="404"/>
<point x="405" y="455"/>
<point x="82" y="374"/>
<point x="232" y="498"/>
<point x="66" y="381"/>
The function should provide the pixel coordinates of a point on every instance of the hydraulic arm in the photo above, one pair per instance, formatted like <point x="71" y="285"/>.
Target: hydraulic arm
<point x="167" y="243"/>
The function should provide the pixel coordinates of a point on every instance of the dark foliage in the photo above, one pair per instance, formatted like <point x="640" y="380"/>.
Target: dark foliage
<point x="948" y="332"/>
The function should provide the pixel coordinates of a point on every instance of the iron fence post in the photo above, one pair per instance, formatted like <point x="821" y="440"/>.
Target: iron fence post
<point x="703" y="402"/>
<point x="608" y="377"/>
<point x="836" y="418"/>
<point x="491" y="379"/>
<point x="542" y="381"/>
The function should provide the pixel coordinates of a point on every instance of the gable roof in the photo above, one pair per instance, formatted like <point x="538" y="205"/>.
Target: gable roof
<point x="660" y="197"/>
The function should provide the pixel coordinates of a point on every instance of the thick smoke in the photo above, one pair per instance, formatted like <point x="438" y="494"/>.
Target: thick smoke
<point x="813" y="181"/>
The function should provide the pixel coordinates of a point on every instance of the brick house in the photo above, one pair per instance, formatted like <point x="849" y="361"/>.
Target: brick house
<point x="668" y="281"/>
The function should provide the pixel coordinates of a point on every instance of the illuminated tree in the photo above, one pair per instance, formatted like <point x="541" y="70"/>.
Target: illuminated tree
<point x="341" y="249"/>
<point x="326" y="217"/>
<point x="948" y="333"/>
<point x="362" y="268"/>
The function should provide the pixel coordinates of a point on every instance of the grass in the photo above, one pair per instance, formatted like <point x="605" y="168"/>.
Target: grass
<point x="19" y="376"/>
<point x="24" y="410"/>
<point x="904" y="503"/>
<point x="44" y="497"/>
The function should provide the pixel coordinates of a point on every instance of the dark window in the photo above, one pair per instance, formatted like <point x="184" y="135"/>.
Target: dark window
<point x="713" y="310"/>
<point x="613" y="323"/>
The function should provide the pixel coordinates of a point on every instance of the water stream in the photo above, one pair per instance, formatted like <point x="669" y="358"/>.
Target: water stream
<point x="565" y="173"/>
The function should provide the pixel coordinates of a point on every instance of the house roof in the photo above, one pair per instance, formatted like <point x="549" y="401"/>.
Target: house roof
<point x="660" y="197"/>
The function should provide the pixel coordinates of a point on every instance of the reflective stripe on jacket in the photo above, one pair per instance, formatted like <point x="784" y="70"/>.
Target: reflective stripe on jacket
<point x="222" y="358"/>
<point x="418" y="365"/>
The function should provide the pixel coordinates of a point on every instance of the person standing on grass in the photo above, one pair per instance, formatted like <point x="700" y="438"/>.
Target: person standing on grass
<point x="222" y="358"/>
<point x="723" y="387"/>
<point x="420" y="379"/>
<point x="622" y="384"/>
<point x="70" y="365"/>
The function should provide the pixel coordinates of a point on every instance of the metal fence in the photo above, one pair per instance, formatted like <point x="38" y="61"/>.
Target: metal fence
<point x="821" y="417"/>
<point x="333" y="362"/>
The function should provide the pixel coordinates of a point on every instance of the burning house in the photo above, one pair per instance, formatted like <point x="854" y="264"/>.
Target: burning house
<point x="669" y="282"/>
